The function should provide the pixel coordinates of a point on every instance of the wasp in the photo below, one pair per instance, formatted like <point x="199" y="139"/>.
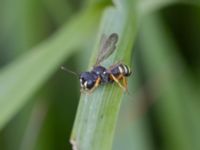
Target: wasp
<point x="118" y="72"/>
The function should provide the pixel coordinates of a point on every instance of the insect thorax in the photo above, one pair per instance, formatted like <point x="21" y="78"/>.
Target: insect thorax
<point x="102" y="72"/>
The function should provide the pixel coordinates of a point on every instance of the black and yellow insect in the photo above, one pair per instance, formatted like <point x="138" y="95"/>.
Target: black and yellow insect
<point x="100" y="75"/>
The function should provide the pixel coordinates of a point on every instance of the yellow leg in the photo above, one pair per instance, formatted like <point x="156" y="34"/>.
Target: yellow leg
<point x="117" y="81"/>
<point x="125" y="84"/>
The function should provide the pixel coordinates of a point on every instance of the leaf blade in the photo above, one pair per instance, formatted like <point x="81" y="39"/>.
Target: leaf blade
<point x="31" y="70"/>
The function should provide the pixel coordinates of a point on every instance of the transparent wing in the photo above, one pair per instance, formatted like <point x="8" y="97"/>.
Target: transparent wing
<point x="107" y="47"/>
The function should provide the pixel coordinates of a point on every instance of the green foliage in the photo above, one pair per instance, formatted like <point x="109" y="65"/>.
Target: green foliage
<point x="33" y="64"/>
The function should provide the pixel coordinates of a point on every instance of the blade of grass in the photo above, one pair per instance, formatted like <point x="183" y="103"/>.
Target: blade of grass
<point x="178" y="110"/>
<point x="146" y="7"/>
<point x="59" y="10"/>
<point x="20" y="79"/>
<point x="97" y="113"/>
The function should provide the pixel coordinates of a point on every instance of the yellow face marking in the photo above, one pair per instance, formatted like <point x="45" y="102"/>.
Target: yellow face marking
<point x="81" y="82"/>
<point x="85" y="84"/>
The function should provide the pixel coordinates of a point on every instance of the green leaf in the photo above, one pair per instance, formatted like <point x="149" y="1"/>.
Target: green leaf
<point x="171" y="83"/>
<point x="97" y="113"/>
<point x="20" y="79"/>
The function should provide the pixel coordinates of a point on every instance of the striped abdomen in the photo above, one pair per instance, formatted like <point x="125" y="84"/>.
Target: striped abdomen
<point x="121" y="70"/>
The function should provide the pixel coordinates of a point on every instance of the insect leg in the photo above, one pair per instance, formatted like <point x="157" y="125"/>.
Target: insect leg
<point x="125" y="84"/>
<point x="117" y="81"/>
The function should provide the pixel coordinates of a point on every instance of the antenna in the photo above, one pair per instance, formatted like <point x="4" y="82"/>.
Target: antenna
<point x="70" y="71"/>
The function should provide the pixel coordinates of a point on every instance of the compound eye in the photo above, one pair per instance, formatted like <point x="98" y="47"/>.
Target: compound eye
<point x="89" y="84"/>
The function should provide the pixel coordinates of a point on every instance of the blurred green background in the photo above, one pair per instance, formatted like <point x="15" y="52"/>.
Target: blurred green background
<point x="162" y="111"/>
